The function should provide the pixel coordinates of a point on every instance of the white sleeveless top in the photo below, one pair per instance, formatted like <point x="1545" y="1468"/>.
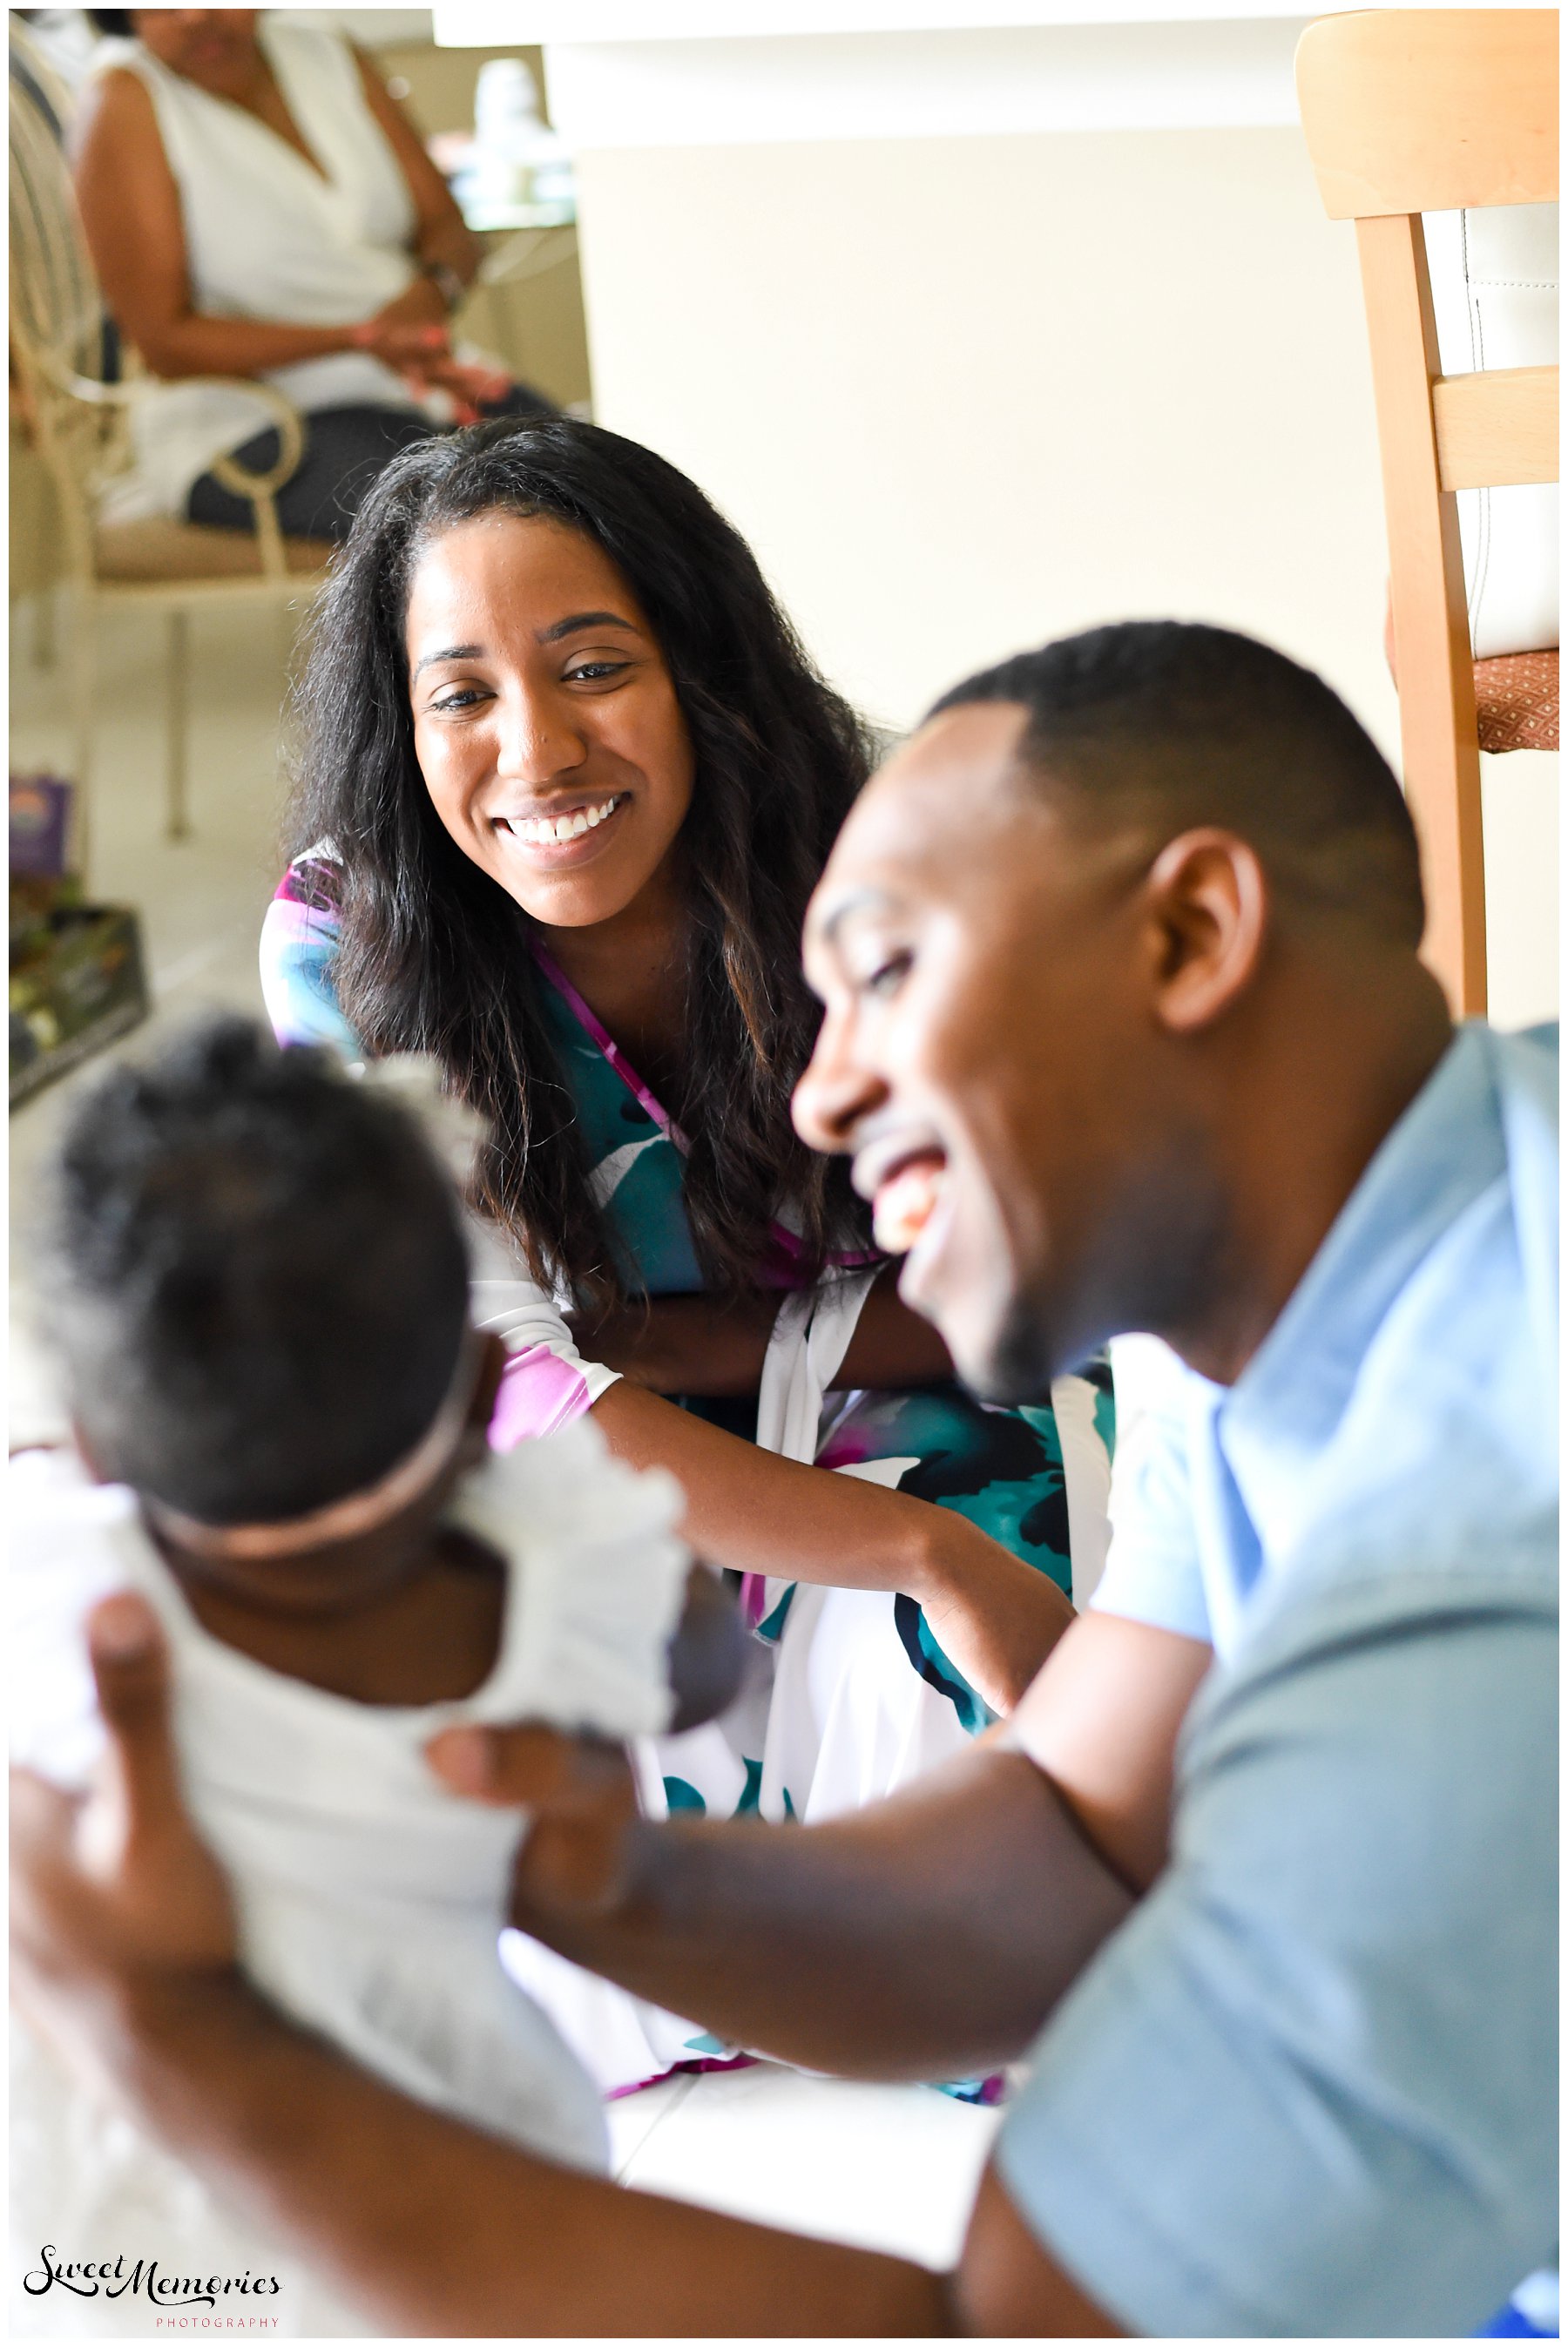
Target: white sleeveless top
<point x="268" y="236"/>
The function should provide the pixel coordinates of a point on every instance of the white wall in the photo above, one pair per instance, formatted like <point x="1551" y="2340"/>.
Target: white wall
<point x="972" y="388"/>
<point x="964" y="394"/>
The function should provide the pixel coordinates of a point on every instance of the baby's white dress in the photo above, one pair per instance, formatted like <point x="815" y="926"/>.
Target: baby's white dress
<point x="370" y="1899"/>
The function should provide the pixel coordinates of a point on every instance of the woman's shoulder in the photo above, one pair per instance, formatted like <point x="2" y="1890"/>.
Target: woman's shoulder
<point x="298" y="950"/>
<point x="315" y="880"/>
<point x="116" y="99"/>
<point x="119" y="56"/>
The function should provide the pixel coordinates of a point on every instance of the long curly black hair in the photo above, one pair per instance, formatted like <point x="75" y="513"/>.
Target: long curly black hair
<point x="433" y="951"/>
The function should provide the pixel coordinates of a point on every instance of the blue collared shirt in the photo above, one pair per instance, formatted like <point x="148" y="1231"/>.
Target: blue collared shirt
<point x="1310" y="2086"/>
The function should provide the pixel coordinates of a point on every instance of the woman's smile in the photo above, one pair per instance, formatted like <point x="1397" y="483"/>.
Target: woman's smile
<point x="554" y="833"/>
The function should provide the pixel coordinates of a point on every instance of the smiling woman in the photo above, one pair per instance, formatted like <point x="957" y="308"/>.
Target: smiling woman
<point x="554" y="750"/>
<point x="568" y="781"/>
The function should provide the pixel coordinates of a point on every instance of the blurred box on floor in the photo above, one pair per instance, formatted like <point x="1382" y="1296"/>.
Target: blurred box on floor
<point x="40" y="821"/>
<point x="77" y="978"/>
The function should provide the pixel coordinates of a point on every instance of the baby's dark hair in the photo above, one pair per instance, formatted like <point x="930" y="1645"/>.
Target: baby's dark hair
<point x="256" y="1276"/>
<point x="1180" y="725"/>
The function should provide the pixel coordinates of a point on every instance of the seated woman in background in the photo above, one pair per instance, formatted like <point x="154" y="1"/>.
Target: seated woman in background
<point x="568" y="781"/>
<point x="257" y="205"/>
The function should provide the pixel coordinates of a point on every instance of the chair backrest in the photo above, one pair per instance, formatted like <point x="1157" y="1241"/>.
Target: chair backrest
<point x="57" y="319"/>
<point x="1406" y="111"/>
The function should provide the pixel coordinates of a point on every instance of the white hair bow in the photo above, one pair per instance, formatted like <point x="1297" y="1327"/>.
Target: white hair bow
<point x="415" y="1080"/>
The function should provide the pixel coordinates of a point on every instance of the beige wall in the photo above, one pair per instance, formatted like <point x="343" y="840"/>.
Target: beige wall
<point x="966" y="393"/>
<point x="963" y="394"/>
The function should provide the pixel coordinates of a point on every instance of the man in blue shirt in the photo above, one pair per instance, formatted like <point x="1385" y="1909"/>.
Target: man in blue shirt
<point x="1124" y="1028"/>
<point x="1336" y="1999"/>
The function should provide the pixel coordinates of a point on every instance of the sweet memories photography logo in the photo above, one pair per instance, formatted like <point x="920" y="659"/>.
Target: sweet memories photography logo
<point x="178" y="2301"/>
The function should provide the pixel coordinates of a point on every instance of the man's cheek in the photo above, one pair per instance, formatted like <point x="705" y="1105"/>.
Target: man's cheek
<point x="979" y="1253"/>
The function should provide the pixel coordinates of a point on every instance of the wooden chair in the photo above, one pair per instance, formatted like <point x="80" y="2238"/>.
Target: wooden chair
<point x="1409" y="111"/>
<point x="76" y="414"/>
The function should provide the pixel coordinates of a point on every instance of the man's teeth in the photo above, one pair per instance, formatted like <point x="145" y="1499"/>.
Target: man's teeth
<point x="905" y="1205"/>
<point x="543" y="830"/>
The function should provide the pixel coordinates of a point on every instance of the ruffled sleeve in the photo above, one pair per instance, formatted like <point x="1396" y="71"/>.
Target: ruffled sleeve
<point x="545" y="1383"/>
<point x="597" y="1584"/>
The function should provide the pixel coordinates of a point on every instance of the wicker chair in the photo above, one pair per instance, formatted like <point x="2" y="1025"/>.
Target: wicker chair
<point x="74" y="407"/>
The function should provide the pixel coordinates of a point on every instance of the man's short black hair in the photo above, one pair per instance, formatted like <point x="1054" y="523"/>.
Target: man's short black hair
<point x="257" y="1276"/>
<point x="111" y="21"/>
<point x="1180" y="725"/>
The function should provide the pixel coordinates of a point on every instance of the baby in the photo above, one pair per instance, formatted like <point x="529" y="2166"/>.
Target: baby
<point x="257" y="1285"/>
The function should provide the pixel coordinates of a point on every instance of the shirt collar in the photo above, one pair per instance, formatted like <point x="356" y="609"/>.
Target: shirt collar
<point x="1445" y="1149"/>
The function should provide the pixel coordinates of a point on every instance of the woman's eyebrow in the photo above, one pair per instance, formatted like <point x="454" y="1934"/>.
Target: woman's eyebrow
<point x="452" y="652"/>
<point x="570" y="627"/>
<point x="550" y="635"/>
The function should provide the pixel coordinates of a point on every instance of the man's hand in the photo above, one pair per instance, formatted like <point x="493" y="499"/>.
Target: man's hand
<point x="113" y="1894"/>
<point x="580" y="1788"/>
<point x="575" y="1857"/>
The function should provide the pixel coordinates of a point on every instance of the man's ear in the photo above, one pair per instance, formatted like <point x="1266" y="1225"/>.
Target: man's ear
<point x="1209" y="897"/>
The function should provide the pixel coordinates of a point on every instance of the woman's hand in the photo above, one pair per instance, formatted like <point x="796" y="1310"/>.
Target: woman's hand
<point x="402" y="338"/>
<point x="991" y="1613"/>
<point x="420" y="303"/>
<point x="416" y="345"/>
<point x="469" y="384"/>
<point x="114" y="1897"/>
<point x="748" y="1509"/>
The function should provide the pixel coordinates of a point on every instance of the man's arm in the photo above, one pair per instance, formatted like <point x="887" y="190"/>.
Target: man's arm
<point x="1102" y="1721"/>
<point x="1007" y="2287"/>
<point x="923" y="1937"/>
<point x="928" y="1936"/>
<point x="123" y="1954"/>
<point x="437" y="2230"/>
